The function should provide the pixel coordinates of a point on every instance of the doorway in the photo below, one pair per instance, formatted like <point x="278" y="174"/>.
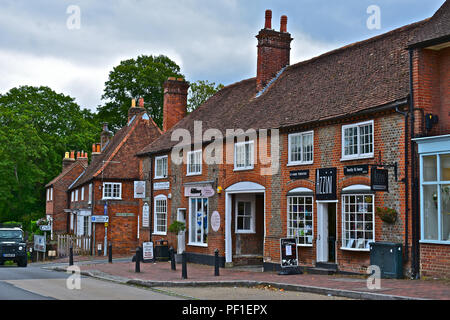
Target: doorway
<point x="326" y="232"/>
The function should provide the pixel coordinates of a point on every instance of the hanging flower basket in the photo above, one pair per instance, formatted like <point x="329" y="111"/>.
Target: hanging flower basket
<point x="386" y="214"/>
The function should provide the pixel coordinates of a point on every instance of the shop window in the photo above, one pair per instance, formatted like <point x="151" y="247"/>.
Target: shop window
<point x="160" y="215"/>
<point x="357" y="221"/>
<point x="300" y="219"/>
<point x="243" y="155"/>
<point x="198" y="221"/>
<point x="112" y="191"/>
<point x="357" y="141"/>
<point x="161" y="167"/>
<point x="435" y="197"/>
<point x="194" y="163"/>
<point x="301" y="148"/>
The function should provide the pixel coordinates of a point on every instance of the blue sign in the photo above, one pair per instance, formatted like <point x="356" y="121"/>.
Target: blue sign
<point x="105" y="211"/>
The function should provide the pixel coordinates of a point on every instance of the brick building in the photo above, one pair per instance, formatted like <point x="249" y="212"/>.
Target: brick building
<point x="56" y="191"/>
<point x="107" y="185"/>
<point x="291" y="153"/>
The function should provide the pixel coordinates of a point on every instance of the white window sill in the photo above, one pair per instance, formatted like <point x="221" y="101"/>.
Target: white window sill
<point x="354" y="249"/>
<point x="444" y="242"/>
<point x="119" y="199"/>
<point x="369" y="156"/>
<point x="203" y="245"/>
<point x="245" y="232"/>
<point x="295" y="164"/>
<point x="159" y="233"/>
<point x="244" y="169"/>
<point x="305" y="245"/>
<point x="193" y="174"/>
<point x="160" y="178"/>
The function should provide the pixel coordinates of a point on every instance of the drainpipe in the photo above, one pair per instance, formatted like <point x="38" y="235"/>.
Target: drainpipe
<point x="406" y="182"/>
<point x="151" y="197"/>
<point x="415" y="261"/>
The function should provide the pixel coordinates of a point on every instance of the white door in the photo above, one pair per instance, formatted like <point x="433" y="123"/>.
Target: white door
<point x="181" y="217"/>
<point x="322" y="232"/>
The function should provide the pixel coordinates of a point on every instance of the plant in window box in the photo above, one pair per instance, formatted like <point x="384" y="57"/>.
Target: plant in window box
<point x="386" y="214"/>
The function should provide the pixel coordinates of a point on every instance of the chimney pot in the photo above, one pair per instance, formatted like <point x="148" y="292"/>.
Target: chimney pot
<point x="172" y="79"/>
<point x="283" y="24"/>
<point x="141" y="102"/>
<point x="268" y="24"/>
<point x="72" y="155"/>
<point x="133" y="103"/>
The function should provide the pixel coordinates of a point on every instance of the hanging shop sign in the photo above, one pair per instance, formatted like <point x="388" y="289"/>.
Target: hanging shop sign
<point x="139" y="189"/>
<point x="289" y="257"/>
<point x="356" y="170"/>
<point x="45" y="227"/>
<point x="299" y="174"/>
<point x="215" y="221"/>
<point x="379" y="180"/>
<point x="161" y="185"/>
<point x="326" y="184"/>
<point x="146" y="215"/>
<point x="100" y="219"/>
<point x="206" y="191"/>
<point x="147" y="251"/>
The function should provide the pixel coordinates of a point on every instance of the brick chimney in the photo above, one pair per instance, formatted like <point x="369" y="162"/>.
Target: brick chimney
<point x="135" y="111"/>
<point x="69" y="158"/>
<point x="105" y="136"/>
<point x="175" y="101"/>
<point x="83" y="157"/>
<point x="274" y="49"/>
<point x="96" y="151"/>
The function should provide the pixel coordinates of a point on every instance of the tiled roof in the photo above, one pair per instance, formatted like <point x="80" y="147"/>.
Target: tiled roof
<point x="64" y="172"/>
<point x="437" y="27"/>
<point x="354" y="78"/>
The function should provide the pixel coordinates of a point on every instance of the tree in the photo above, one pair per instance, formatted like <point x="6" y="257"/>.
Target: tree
<point x="135" y="78"/>
<point x="200" y="91"/>
<point x="37" y="125"/>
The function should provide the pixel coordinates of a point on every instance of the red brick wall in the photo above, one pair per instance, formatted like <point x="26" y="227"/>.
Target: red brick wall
<point x="435" y="260"/>
<point x="175" y="102"/>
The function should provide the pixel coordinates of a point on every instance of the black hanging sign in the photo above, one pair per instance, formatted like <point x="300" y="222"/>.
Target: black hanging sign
<point x="299" y="174"/>
<point x="379" y="180"/>
<point x="356" y="170"/>
<point x="326" y="184"/>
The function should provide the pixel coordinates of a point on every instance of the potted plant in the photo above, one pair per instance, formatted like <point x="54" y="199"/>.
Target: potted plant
<point x="386" y="214"/>
<point x="178" y="228"/>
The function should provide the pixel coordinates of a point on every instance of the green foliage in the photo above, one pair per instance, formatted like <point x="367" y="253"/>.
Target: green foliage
<point x="135" y="78"/>
<point x="177" y="226"/>
<point x="37" y="125"/>
<point x="200" y="91"/>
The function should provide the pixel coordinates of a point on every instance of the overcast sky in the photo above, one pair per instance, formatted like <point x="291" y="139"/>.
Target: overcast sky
<point x="210" y="39"/>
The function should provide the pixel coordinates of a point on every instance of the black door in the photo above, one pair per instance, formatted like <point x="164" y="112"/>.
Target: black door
<point x="332" y="232"/>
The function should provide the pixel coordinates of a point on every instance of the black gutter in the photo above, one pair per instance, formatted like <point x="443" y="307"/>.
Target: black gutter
<point x="415" y="257"/>
<point x="406" y="182"/>
<point x="430" y="43"/>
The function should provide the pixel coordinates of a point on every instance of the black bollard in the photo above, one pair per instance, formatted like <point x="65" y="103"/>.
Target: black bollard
<point x="183" y="265"/>
<point x="216" y="263"/>
<point x="110" y="252"/>
<point x="172" y="259"/>
<point x="71" y="256"/>
<point x="138" y="261"/>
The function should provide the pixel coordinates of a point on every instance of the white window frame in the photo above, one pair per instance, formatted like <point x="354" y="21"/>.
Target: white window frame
<point x="438" y="183"/>
<point x="344" y="228"/>
<point x="250" y="200"/>
<point x="301" y="162"/>
<point x="51" y="194"/>
<point x="188" y="163"/>
<point x="76" y="195"/>
<point x="251" y="153"/>
<point x="166" y="173"/>
<point x="90" y="194"/>
<point x="359" y="155"/>
<point x="155" y="215"/>
<point x="82" y="194"/>
<point x="112" y="197"/>
<point x="191" y="229"/>
<point x="48" y="194"/>
<point x="300" y="220"/>
<point x="72" y="196"/>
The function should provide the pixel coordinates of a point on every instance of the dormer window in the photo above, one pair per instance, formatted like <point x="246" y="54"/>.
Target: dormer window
<point x="161" y="167"/>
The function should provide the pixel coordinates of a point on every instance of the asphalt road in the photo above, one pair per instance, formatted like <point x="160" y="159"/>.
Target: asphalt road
<point x="35" y="283"/>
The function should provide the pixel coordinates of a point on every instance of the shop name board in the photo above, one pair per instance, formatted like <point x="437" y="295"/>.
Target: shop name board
<point x="326" y="184"/>
<point x="379" y="180"/>
<point x="161" y="186"/>
<point x="356" y="170"/>
<point x="199" y="191"/>
<point x="299" y="174"/>
<point x="124" y="214"/>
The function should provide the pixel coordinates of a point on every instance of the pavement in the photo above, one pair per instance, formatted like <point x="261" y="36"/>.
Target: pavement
<point x="160" y="275"/>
